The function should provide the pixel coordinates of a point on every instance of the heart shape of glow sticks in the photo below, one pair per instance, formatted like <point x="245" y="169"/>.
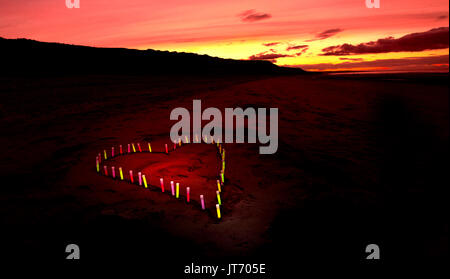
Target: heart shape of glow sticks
<point x="109" y="164"/>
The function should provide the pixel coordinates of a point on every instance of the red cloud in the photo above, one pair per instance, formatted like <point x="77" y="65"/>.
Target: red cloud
<point x="436" y="38"/>
<point x="270" y="57"/>
<point x="297" y="47"/>
<point x="326" y="34"/>
<point x="271" y="44"/>
<point x="252" y="16"/>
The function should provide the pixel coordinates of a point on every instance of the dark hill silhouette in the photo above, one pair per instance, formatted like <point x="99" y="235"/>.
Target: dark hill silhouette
<point x="24" y="56"/>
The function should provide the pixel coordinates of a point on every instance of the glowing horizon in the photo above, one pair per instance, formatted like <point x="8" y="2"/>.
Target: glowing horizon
<point x="292" y="33"/>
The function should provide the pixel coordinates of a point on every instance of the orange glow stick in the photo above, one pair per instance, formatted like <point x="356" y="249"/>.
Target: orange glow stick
<point x="218" y="185"/>
<point x="179" y="141"/>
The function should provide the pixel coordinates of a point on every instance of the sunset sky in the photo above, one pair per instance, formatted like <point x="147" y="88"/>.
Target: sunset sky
<point x="410" y="35"/>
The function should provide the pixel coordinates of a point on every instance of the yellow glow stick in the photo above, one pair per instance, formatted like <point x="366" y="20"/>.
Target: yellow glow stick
<point x="178" y="190"/>
<point x="222" y="175"/>
<point x="121" y="173"/>
<point x="218" y="197"/>
<point x="145" y="180"/>
<point x="186" y="139"/>
<point x="149" y="147"/>
<point x="134" y="149"/>
<point x="218" y="211"/>
<point x="179" y="141"/>
<point x="97" y="163"/>
<point x="104" y="152"/>
<point x="218" y="185"/>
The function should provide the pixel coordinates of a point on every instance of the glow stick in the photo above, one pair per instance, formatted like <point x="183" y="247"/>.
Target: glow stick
<point x="222" y="175"/>
<point x="223" y="166"/>
<point x="179" y="141"/>
<point x="134" y="149"/>
<point x="112" y="151"/>
<point x="218" y="211"/>
<point x="113" y="169"/>
<point x="120" y="150"/>
<point x="105" y="168"/>
<point x="121" y="173"/>
<point x="178" y="191"/>
<point x="129" y="148"/>
<point x="139" y="147"/>
<point x="186" y="139"/>
<point x="172" y="187"/>
<point x="149" y="148"/>
<point x="218" y="185"/>
<point x="98" y="164"/>
<point x="206" y="139"/>
<point x="131" y="176"/>
<point x="140" y="178"/>
<point x="188" y="191"/>
<point x="104" y="152"/>
<point x="218" y="197"/>
<point x="202" y="201"/>
<point x="196" y="138"/>
<point x="212" y="139"/>
<point x="167" y="149"/>
<point x="99" y="158"/>
<point x="145" y="180"/>
<point x="161" y="182"/>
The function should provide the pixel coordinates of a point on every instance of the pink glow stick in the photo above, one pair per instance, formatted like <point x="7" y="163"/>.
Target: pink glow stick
<point x="188" y="191"/>
<point x="105" y="168"/>
<point x="140" y="178"/>
<point x="112" y="151"/>
<point x="131" y="176"/>
<point x="120" y="150"/>
<point x="167" y="149"/>
<point x="172" y="187"/>
<point x="139" y="147"/>
<point x="203" y="202"/>
<point x="113" y="169"/>
<point x="161" y="181"/>
<point x="99" y="158"/>
<point x="129" y="148"/>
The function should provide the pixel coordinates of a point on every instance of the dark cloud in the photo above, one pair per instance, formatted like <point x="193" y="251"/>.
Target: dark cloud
<point x="271" y="44"/>
<point x="268" y="56"/>
<point x="252" y="16"/>
<point x="297" y="47"/>
<point x="326" y="34"/>
<point x="425" y="63"/>
<point x="436" y="38"/>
